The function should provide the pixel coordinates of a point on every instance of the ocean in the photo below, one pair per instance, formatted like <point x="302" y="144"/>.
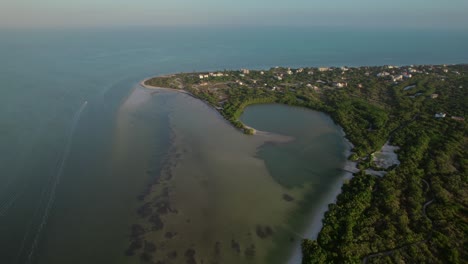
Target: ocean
<point x="67" y="182"/>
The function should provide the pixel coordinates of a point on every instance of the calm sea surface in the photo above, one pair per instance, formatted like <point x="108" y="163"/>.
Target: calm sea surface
<point x="82" y="150"/>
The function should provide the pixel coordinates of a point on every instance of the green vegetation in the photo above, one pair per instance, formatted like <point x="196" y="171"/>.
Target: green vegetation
<point x="418" y="212"/>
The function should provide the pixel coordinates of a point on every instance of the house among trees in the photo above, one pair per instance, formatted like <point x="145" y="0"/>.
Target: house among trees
<point x="340" y="84"/>
<point x="383" y="74"/>
<point x="398" y="78"/>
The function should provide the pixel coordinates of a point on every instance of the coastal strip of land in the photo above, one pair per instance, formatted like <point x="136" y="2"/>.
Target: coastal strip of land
<point x="373" y="106"/>
<point x="247" y="129"/>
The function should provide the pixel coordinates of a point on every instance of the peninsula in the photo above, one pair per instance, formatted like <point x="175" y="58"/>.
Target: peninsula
<point x="414" y="211"/>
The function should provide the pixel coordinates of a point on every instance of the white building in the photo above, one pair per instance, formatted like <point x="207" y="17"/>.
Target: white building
<point x="383" y="74"/>
<point x="407" y="75"/>
<point x="398" y="78"/>
<point x="340" y="84"/>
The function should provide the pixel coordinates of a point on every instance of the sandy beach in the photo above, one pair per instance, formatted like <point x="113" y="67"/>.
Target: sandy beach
<point x="143" y="84"/>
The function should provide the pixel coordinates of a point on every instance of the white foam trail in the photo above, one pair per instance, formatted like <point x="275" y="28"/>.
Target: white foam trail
<point x="58" y="175"/>
<point x="44" y="195"/>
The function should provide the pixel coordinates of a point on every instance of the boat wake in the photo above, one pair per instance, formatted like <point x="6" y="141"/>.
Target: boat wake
<point x="50" y="198"/>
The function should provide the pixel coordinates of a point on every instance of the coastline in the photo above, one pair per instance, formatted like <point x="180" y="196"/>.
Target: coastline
<point x="312" y="231"/>
<point x="144" y="85"/>
<point x="245" y="127"/>
<point x="348" y="168"/>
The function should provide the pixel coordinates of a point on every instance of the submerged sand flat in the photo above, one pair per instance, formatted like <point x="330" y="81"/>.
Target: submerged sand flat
<point x="214" y="200"/>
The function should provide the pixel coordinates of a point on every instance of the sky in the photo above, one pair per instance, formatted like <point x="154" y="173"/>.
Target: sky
<point x="449" y="14"/>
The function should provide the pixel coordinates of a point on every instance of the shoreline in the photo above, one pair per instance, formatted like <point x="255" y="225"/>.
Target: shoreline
<point x="144" y="85"/>
<point x="348" y="169"/>
<point x="312" y="231"/>
<point x="246" y="127"/>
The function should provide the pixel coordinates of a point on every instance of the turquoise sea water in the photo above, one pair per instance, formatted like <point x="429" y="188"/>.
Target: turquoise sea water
<point x="60" y="91"/>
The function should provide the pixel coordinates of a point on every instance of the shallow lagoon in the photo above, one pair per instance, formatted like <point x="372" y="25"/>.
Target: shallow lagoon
<point x="225" y="197"/>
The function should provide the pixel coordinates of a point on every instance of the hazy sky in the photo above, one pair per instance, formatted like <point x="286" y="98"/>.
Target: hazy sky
<point x="359" y="13"/>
